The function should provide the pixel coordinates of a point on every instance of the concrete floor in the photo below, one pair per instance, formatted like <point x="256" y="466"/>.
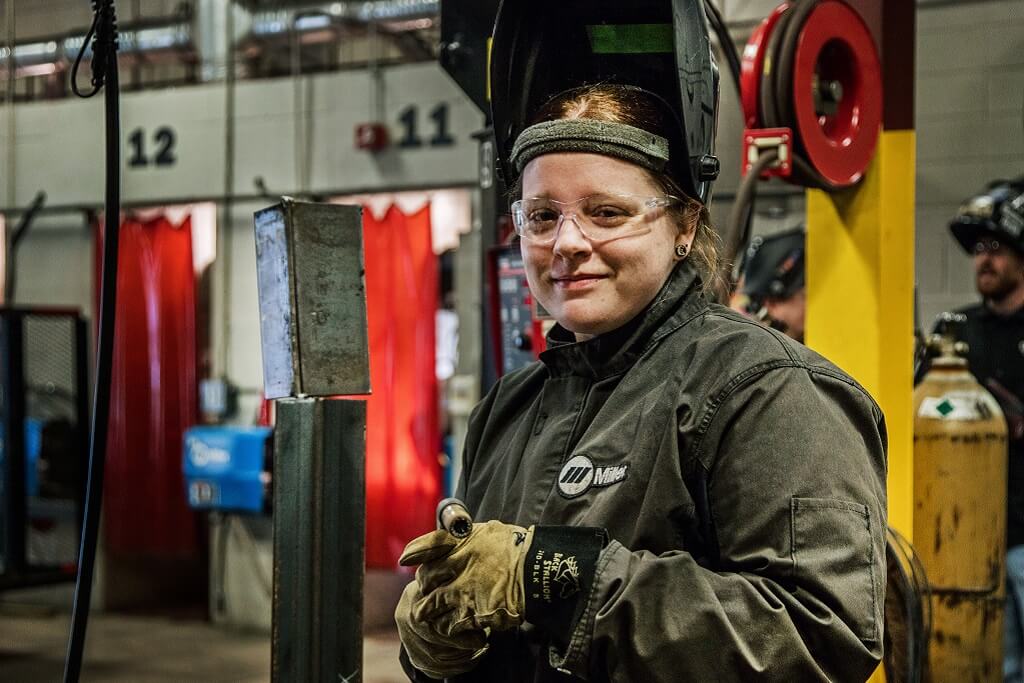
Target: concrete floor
<point x="153" y="649"/>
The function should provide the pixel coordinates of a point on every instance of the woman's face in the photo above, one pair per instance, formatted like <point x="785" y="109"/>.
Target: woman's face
<point x="594" y="287"/>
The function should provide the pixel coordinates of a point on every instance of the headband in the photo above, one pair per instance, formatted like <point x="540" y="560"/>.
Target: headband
<point x="612" y="139"/>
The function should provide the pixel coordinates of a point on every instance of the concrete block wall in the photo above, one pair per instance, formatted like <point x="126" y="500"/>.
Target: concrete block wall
<point x="56" y="261"/>
<point x="970" y="129"/>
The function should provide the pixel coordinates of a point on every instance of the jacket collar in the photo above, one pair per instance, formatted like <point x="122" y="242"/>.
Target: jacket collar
<point x="1015" y="316"/>
<point x="615" y="352"/>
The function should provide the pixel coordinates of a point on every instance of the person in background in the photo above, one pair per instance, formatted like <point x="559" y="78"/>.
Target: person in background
<point x="772" y="285"/>
<point x="990" y="228"/>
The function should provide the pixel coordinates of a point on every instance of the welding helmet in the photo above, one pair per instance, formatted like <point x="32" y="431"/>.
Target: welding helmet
<point x="543" y="48"/>
<point x="775" y="266"/>
<point x="998" y="212"/>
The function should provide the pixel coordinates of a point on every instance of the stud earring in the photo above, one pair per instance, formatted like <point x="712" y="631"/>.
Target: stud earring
<point x="680" y="250"/>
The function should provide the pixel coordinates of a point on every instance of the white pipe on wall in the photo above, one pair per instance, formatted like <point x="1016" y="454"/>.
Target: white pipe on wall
<point x="218" y="25"/>
<point x="11" y="127"/>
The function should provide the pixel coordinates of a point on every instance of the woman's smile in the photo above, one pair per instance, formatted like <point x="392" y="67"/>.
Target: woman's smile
<point x="577" y="281"/>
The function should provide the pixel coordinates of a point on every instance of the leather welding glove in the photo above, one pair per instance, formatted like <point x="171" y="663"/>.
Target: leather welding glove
<point x="470" y="584"/>
<point x="435" y="654"/>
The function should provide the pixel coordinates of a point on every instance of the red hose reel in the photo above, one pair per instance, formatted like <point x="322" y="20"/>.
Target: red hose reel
<point x="812" y="68"/>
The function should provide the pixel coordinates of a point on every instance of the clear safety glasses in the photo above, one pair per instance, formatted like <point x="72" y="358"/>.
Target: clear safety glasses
<point x="600" y="217"/>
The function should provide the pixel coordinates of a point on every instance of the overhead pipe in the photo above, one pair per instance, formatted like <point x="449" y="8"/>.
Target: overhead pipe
<point x="321" y="16"/>
<point x="324" y="22"/>
<point x="201" y="31"/>
<point x="169" y="35"/>
<point x="219" y="26"/>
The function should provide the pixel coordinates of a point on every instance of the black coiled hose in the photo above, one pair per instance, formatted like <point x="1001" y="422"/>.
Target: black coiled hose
<point x="908" y="616"/>
<point x="775" y="105"/>
<point x="104" y="73"/>
<point x="775" y="110"/>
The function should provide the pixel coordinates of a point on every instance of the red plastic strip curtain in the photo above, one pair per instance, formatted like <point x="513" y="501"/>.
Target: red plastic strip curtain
<point x="153" y="393"/>
<point x="403" y="478"/>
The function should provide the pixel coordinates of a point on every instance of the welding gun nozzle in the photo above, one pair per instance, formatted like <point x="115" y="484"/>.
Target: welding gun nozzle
<point x="453" y="516"/>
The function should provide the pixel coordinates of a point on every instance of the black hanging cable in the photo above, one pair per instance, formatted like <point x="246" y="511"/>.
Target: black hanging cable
<point x="775" y="107"/>
<point x="24" y="225"/>
<point x="737" y="233"/>
<point x="104" y="72"/>
<point x="732" y="58"/>
<point x="97" y="75"/>
<point x="732" y="55"/>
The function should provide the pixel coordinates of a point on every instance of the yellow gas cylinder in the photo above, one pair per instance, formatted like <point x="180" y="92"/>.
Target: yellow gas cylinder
<point x="960" y="453"/>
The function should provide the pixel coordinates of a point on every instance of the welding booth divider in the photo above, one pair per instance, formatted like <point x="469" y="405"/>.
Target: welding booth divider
<point x="154" y="394"/>
<point x="154" y="391"/>
<point x="403" y="474"/>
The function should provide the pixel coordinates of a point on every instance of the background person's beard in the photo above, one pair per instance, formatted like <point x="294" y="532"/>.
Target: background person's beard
<point x="993" y="285"/>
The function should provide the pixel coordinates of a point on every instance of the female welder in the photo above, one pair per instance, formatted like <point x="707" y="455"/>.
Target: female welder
<point x="678" y="493"/>
<point x="673" y="492"/>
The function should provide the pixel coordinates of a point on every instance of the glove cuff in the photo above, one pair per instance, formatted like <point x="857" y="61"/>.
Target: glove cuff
<point x="558" y="571"/>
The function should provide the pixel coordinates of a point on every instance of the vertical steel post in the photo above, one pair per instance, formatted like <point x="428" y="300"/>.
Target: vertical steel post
<point x="313" y="327"/>
<point x="862" y="241"/>
<point x="318" y="540"/>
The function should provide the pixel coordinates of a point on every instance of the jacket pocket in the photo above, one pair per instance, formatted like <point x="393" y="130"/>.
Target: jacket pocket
<point x="833" y="558"/>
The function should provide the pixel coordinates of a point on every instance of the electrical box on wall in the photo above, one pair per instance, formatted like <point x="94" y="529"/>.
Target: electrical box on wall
<point x="371" y="137"/>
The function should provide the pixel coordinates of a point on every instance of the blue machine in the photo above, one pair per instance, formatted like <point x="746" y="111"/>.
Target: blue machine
<point x="33" y="445"/>
<point x="225" y="468"/>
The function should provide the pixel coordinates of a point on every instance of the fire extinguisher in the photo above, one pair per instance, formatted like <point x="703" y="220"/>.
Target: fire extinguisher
<point x="960" y="460"/>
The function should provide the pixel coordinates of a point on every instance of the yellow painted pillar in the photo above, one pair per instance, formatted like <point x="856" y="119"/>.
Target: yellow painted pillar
<point x="860" y="297"/>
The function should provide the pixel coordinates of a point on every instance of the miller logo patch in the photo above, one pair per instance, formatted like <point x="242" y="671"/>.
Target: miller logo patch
<point x="579" y="475"/>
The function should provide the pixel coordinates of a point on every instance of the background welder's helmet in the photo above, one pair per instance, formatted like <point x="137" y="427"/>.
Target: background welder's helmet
<point x="775" y="266"/>
<point x="542" y="48"/>
<point x="998" y="212"/>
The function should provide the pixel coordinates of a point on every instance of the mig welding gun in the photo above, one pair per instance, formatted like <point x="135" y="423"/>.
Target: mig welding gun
<point x="453" y="517"/>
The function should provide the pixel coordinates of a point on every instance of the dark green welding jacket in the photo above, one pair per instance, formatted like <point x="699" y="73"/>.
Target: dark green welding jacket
<point x="739" y="476"/>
